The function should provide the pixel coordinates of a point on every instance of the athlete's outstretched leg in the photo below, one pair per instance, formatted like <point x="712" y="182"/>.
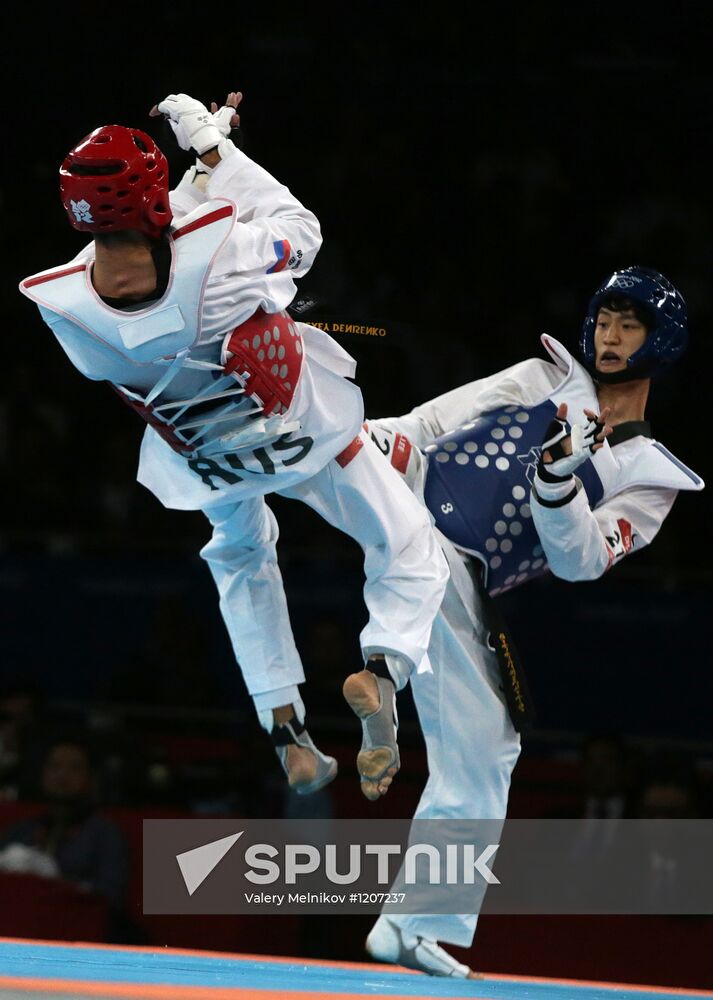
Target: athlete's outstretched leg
<point x="406" y="574"/>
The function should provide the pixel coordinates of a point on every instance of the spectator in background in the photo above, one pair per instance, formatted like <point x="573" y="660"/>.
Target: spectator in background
<point x="668" y="791"/>
<point x="69" y="840"/>
<point x="606" y="766"/>
<point x="19" y="708"/>
<point x="605" y="772"/>
<point x="656" y="858"/>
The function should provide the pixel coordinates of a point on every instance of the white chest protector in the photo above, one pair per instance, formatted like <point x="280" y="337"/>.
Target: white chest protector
<point x="155" y="356"/>
<point x="119" y="345"/>
<point x="479" y="476"/>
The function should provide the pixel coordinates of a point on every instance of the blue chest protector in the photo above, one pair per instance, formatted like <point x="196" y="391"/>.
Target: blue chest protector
<point x="478" y="487"/>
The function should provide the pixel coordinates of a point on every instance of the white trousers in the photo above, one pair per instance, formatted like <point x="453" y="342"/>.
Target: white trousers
<point x="471" y="743"/>
<point x="405" y="571"/>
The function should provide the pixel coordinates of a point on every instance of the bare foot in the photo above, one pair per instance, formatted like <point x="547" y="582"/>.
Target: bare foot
<point x="361" y="693"/>
<point x="300" y="762"/>
<point x="283" y="714"/>
<point x="301" y="767"/>
<point x="374" y="790"/>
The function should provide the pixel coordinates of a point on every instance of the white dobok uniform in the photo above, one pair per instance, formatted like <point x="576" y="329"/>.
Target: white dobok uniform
<point x="238" y="246"/>
<point x="471" y="455"/>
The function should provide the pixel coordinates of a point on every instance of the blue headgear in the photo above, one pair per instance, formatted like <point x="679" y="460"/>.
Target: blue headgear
<point x="666" y="339"/>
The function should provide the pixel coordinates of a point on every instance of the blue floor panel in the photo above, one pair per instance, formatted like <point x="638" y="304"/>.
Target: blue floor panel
<point x="62" y="963"/>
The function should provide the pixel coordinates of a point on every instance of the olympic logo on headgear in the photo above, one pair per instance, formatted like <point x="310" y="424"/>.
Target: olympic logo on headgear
<point x="82" y="210"/>
<point x="628" y="282"/>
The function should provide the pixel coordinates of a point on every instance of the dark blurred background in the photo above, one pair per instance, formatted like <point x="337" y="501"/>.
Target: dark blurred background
<point x="477" y="171"/>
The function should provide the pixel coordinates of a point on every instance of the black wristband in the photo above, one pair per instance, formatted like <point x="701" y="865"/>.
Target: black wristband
<point x="555" y="503"/>
<point x="550" y="477"/>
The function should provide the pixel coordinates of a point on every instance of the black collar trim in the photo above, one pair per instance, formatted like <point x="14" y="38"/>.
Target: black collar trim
<point x="629" y="429"/>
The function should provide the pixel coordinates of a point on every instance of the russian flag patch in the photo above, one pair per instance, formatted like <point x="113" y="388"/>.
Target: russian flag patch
<point x="283" y="252"/>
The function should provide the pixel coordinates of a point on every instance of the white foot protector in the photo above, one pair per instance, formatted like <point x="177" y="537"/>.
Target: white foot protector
<point x="387" y="943"/>
<point x="294" y="733"/>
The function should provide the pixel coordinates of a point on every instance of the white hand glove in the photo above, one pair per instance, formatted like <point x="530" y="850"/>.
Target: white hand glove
<point x="583" y="441"/>
<point x="222" y="119"/>
<point x="193" y="124"/>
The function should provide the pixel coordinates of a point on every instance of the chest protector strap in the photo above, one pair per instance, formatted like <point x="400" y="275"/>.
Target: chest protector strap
<point x="264" y="355"/>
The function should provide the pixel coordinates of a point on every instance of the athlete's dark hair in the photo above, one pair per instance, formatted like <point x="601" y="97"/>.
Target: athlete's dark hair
<point x="621" y="303"/>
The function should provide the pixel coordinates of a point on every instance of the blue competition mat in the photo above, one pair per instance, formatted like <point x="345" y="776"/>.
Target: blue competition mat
<point x="69" y="972"/>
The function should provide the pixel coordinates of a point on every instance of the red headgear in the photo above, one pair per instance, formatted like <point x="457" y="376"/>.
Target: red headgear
<point x="116" y="178"/>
